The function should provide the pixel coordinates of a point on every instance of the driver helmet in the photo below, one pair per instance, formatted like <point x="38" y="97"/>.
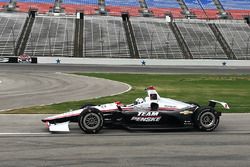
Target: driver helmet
<point x="138" y="101"/>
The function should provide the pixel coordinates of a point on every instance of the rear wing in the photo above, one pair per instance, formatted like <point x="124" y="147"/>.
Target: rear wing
<point x="212" y="103"/>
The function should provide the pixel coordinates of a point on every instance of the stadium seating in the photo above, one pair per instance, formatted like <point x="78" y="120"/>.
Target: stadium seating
<point x="116" y="10"/>
<point x="160" y="7"/>
<point x="206" y="4"/>
<point x="155" y="39"/>
<point x="51" y="36"/>
<point x="210" y="11"/>
<point x="43" y="6"/>
<point x="238" y="37"/>
<point x="104" y="37"/>
<point x="115" y="7"/>
<point x="162" y="4"/>
<point x="160" y="12"/>
<point x="7" y="24"/>
<point x="133" y="3"/>
<point x="237" y="8"/>
<point x="81" y="2"/>
<point x="201" y="41"/>
<point x="89" y="6"/>
<point x="2" y="3"/>
<point x="236" y="4"/>
<point x="88" y="9"/>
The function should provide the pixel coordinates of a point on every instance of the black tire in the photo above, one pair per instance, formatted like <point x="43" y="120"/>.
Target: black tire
<point x="91" y="120"/>
<point x="206" y="119"/>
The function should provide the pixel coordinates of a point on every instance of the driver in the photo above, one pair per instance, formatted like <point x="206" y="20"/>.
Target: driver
<point x="138" y="101"/>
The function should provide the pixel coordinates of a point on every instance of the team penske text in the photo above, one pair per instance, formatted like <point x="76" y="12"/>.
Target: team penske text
<point x="147" y="117"/>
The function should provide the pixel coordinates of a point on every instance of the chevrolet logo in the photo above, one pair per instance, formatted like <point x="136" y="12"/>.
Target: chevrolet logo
<point x="186" y="112"/>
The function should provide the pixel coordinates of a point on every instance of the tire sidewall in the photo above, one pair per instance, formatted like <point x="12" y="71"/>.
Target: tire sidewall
<point x="86" y="113"/>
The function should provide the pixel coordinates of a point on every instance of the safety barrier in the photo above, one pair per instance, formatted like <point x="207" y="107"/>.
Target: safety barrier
<point x="153" y="62"/>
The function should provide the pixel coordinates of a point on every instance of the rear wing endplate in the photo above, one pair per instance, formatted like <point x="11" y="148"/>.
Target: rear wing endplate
<point x="212" y="103"/>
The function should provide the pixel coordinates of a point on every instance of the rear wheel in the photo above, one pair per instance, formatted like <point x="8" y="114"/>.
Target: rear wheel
<point x="206" y="119"/>
<point x="91" y="120"/>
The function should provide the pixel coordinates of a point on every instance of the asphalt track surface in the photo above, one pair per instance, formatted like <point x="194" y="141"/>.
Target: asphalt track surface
<point x="19" y="89"/>
<point x="24" y="140"/>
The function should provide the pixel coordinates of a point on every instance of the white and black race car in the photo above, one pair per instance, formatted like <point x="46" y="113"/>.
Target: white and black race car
<point x="151" y="113"/>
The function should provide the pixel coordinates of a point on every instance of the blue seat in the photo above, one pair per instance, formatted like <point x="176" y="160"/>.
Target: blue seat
<point x="236" y="4"/>
<point x="132" y="3"/>
<point x="206" y="4"/>
<point x="162" y="4"/>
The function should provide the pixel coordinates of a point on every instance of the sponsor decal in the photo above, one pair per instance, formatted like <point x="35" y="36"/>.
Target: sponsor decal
<point x="188" y="123"/>
<point x="168" y="108"/>
<point x="4" y="60"/>
<point x="24" y="59"/>
<point x="147" y="117"/>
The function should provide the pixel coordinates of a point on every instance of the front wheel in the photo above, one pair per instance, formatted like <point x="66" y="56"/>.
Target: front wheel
<point x="91" y="120"/>
<point x="206" y="119"/>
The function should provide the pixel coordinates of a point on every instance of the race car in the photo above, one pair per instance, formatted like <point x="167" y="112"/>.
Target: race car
<point x="150" y="113"/>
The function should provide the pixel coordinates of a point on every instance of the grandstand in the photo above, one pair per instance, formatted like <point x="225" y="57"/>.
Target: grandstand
<point x="203" y="8"/>
<point x="236" y="4"/>
<point x="201" y="41"/>
<point x="160" y="7"/>
<point x="115" y="7"/>
<point x="122" y="33"/>
<point x="237" y="8"/>
<point x="155" y="39"/>
<point x="9" y="32"/>
<point x="51" y="36"/>
<point x="104" y="37"/>
<point x="238" y="37"/>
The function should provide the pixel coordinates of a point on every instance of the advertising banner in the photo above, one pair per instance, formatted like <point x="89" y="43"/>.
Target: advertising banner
<point x="4" y="59"/>
<point x="19" y="59"/>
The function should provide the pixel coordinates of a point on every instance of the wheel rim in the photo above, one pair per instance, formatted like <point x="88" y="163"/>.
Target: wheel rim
<point x="91" y="121"/>
<point x="207" y="120"/>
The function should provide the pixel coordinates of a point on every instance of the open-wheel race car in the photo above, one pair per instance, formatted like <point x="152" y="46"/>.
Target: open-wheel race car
<point x="151" y="113"/>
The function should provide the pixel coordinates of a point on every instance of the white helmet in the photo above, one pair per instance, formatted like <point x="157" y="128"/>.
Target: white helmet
<point x="138" y="101"/>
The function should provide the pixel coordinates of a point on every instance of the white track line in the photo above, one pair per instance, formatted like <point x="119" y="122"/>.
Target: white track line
<point x="2" y="134"/>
